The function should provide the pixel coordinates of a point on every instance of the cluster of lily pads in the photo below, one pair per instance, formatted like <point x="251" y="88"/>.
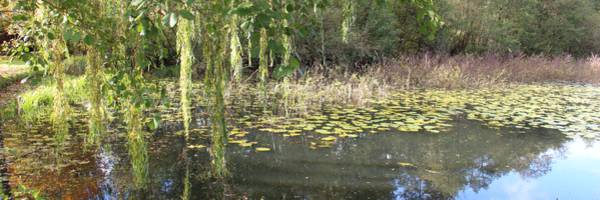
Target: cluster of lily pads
<point x="574" y="110"/>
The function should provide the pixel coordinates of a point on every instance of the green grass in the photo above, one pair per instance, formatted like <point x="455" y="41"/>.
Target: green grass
<point x="37" y="103"/>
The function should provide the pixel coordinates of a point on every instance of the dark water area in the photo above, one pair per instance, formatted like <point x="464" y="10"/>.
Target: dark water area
<point x="469" y="161"/>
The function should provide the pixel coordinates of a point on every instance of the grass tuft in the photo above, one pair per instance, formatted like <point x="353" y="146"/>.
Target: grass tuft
<point x="37" y="103"/>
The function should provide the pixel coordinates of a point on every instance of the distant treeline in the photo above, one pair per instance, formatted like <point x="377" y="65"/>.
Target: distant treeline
<point x="357" y="32"/>
<point x="505" y="27"/>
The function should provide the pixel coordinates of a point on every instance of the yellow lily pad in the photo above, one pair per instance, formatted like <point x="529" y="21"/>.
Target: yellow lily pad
<point x="263" y="149"/>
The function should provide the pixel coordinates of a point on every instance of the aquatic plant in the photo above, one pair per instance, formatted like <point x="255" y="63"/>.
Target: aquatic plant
<point x="572" y="110"/>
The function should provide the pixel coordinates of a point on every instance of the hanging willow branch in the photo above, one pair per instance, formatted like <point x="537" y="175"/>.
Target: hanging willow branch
<point x="185" y="38"/>
<point x="235" y="48"/>
<point x="286" y="40"/>
<point x="214" y="40"/>
<point x="263" y="67"/>
<point x="94" y="81"/>
<point x="60" y="116"/>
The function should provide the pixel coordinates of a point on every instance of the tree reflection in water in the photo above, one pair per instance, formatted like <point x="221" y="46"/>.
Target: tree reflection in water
<point x="383" y="166"/>
<point x="375" y="166"/>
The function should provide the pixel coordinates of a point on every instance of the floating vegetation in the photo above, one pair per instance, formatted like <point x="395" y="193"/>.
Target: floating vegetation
<point x="262" y="149"/>
<point x="405" y="164"/>
<point x="573" y="110"/>
<point x="196" y="146"/>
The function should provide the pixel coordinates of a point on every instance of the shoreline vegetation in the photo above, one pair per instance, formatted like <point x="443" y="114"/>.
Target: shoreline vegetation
<point x="335" y="85"/>
<point x="11" y="72"/>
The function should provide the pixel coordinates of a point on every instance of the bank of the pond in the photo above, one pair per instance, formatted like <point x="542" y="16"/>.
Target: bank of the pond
<point x="337" y="85"/>
<point x="11" y="72"/>
<point x="343" y="85"/>
<point x="11" y="76"/>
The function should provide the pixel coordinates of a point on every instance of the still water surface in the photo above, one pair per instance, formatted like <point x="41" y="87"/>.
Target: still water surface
<point x="470" y="161"/>
<point x="529" y="142"/>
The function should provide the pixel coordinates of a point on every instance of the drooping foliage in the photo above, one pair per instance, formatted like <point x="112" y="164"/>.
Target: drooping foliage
<point x="235" y="47"/>
<point x="94" y="80"/>
<point x="185" y="38"/>
<point x="124" y="40"/>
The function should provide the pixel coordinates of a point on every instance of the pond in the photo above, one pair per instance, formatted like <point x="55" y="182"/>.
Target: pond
<point x="527" y="142"/>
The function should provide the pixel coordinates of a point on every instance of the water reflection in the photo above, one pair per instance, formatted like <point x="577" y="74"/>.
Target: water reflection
<point x="470" y="161"/>
<point x="37" y="161"/>
<point x="138" y="153"/>
<point x="409" y="166"/>
<point x="187" y="186"/>
<point x="96" y="109"/>
<point x="4" y="175"/>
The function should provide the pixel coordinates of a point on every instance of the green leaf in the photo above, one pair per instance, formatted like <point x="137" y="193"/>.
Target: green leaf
<point x="19" y="17"/>
<point x="72" y="35"/>
<point x="243" y="9"/>
<point x="89" y="40"/>
<point x="165" y="20"/>
<point x="140" y="29"/>
<point x="155" y="124"/>
<point x="76" y="37"/>
<point x="286" y="70"/>
<point x="186" y="14"/>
